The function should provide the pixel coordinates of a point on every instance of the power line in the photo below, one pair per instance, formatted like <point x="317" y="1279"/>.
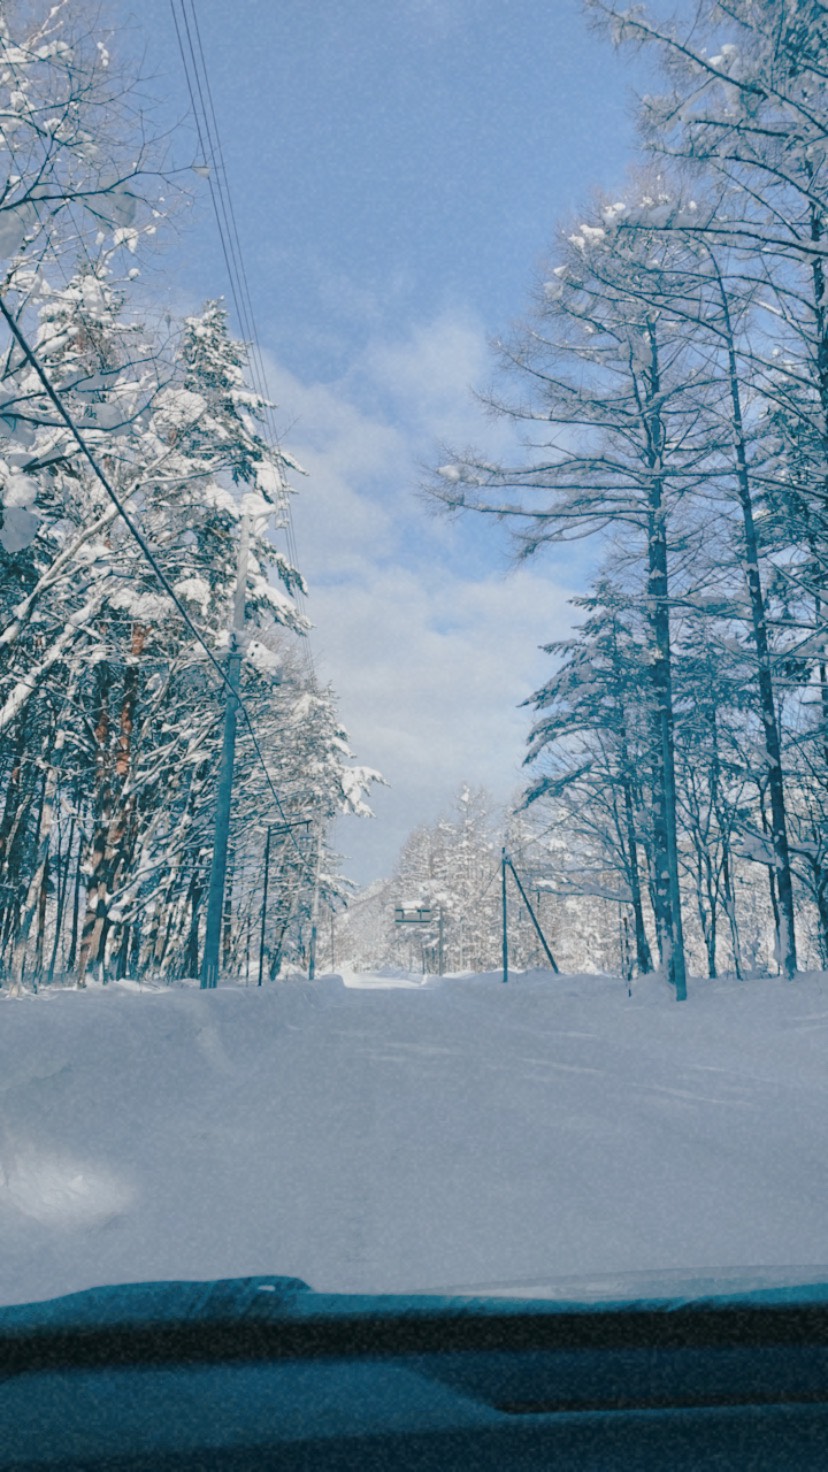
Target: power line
<point x="238" y="254"/>
<point x="205" y="144"/>
<point x="144" y="546"/>
<point x="197" y="78"/>
<point x="193" y="60"/>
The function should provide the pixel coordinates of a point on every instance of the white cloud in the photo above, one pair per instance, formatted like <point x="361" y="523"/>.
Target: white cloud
<point x="431" y="689"/>
<point x="428" y="643"/>
<point x="427" y="376"/>
<point x="342" y="528"/>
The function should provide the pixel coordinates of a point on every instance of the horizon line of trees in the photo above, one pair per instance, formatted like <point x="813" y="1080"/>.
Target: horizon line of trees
<point x="574" y="881"/>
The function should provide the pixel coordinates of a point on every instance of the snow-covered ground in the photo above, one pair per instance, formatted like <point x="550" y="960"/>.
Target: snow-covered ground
<point x="376" y="1133"/>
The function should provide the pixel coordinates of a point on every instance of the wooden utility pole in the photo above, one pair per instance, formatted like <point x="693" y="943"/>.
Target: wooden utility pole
<point x="224" y="793"/>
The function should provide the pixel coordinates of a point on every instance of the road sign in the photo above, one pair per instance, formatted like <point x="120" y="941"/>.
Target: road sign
<point x="413" y="915"/>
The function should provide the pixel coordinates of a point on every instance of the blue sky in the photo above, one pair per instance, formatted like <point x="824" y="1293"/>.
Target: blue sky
<point x="399" y="170"/>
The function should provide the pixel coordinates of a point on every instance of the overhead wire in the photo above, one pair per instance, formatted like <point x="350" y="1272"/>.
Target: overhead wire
<point x="255" y="346"/>
<point x="188" y="35"/>
<point x="191" y="49"/>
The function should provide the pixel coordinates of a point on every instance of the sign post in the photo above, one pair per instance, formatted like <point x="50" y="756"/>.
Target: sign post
<point x="421" y="914"/>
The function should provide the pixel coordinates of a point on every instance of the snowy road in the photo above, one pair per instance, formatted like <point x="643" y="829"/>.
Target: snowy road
<point x="380" y="1135"/>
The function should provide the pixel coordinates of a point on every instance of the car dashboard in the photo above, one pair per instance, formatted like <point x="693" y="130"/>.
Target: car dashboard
<point x="264" y="1372"/>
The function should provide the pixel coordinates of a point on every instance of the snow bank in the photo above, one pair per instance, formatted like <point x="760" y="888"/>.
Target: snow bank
<point x="378" y="1134"/>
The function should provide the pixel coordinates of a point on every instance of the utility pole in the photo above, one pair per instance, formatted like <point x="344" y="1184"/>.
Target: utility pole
<point x="264" y="904"/>
<point x="224" y="794"/>
<point x="532" y="916"/>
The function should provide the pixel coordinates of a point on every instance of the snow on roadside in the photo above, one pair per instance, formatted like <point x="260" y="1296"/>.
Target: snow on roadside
<point x="374" y="1133"/>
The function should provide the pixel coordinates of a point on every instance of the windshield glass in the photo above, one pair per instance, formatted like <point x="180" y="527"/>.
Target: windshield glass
<point x="413" y="692"/>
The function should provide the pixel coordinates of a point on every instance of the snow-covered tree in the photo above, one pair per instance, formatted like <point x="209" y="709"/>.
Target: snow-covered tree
<point x="450" y="868"/>
<point x="593" y="737"/>
<point x="111" y="692"/>
<point x="608" y="374"/>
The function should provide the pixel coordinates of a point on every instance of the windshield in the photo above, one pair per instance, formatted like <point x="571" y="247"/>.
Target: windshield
<point x="413" y="692"/>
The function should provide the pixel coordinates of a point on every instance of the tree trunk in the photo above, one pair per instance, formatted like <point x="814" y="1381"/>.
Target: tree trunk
<point x="786" y="933"/>
<point x="817" y="215"/>
<point x="643" y="956"/>
<point x="662" y="675"/>
<point x="63" y="865"/>
<point x="771" y="871"/>
<point x="41" y="918"/>
<point x="15" y="809"/>
<point x="96" y="884"/>
<point x="35" y="902"/>
<point x="660" y="887"/>
<point x="706" y="912"/>
<point x="821" y="897"/>
<point x="73" y="940"/>
<point x="730" y="911"/>
<point x="195" y="898"/>
<point x="111" y="839"/>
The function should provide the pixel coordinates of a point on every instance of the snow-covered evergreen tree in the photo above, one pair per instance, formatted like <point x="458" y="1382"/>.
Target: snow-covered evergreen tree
<point x="110" y="703"/>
